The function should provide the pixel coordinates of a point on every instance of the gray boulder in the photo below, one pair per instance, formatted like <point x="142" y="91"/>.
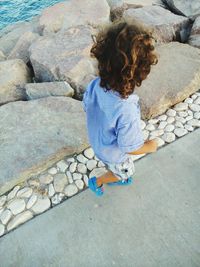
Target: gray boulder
<point x="21" y="49"/>
<point x="73" y="13"/>
<point x="166" y="26"/>
<point x="64" y="57"/>
<point x="194" y="39"/>
<point x="36" y="134"/>
<point x="174" y="78"/>
<point x="2" y="56"/>
<point x="39" y="90"/>
<point x="189" y="8"/>
<point x="13" y="75"/>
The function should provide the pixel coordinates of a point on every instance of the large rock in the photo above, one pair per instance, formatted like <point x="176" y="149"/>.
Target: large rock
<point x="21" y="49"/>
<point x="73" y="13"/>
<point x="11" y="34"/>
<point x="174" y="78"/>
<point x="13" y="75"/>
<point x="36" y="134"/>
<point x="38" y="90"/>
<point x="194" y="39"/>
<point x="64" y="56"/>
<point x="166" y="25"/>
<point x="189" y="8"/>
<point x="2" y="56"/>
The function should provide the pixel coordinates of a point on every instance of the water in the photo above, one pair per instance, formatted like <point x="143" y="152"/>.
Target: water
<point x="12" y="11"/>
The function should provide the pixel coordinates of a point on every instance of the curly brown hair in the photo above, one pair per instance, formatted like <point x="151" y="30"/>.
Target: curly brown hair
<point x="125" y="53"/>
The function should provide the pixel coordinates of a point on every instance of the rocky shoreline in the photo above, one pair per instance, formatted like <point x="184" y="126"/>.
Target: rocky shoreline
<point x="44" y="69"/>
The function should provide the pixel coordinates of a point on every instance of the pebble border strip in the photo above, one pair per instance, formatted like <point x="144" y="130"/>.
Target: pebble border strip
<point x="70" y="176"/>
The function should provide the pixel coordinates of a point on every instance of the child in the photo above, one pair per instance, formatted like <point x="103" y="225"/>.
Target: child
<point x="125" y="53"/>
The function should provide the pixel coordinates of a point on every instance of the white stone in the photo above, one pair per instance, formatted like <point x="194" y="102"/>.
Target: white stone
<point x="182" y="120"/>
<point x="153" y="121"/>
<point x="70" y="160"/>
<point x="16" y="206"/>
<point x="145" y="134"/>
<point x="160" y="141"/>
<point x="97" y="172"/>
<point x="188" y="100"/>
<point x="5" y="216"/>
<point x="182" y="114"/>
<point x="162" y="117"/>
<point x="2" y="200"/>
<point x="45" y="178"/>
<point x="171" y="112"/>
<point x="157" y="132"/>
<point x="170" y="120"/>
<point x="169" y="128"/>
<point x="69" y="176"/>
<point x="181" y="106"/>
<point x="162" y="125"/>
<point x="79" y="184"/>
<point x="188" y="118"/>
<point x="91" y="164"/>
<point x="71" y="190"/>
<point x="51" y="190"/>
<point x="77" y="176"/>
<point x="25" y="192"/>
<point x="42" y="204"/>
<point x="62" y="165"/>
<point x="142" y="124"/>
<point x="197" y="101"/>
<point x="180" y="132"/>
<point x="52" y="171"/>
<point x="101" y="164"/>
<point x="189" y="128"/>
<point x="194" y="107"/>
<point x="190" y="113"/>
<point x="85" y="179"/>
<point x="34" y="182"/>
<point x="19" y="219"/>
<point x="72" y="167"/>
<point x="179" y="124"/>
<point x="2" y="229"/>
<point x="82" y="168"/>
<point x="1" y="211"/>
<point x="169" y="137"/>
<point x="31" y="201"/>
<point x="13" y="193"/>
<point x="82" y="159"/>
<point x="194" y="96"/>
<point x="89" y="153"/>
<point x="60" y="181"/>
<point x="57" y="198"/>
<point x="197" y="115"/>
<point x="150" y="127"/>
<point x="194" y="123"/>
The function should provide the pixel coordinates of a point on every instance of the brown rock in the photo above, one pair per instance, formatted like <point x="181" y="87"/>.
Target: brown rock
<point x="174" y="78"/>
<point x="166" y="25"/>
<point x="13" y="75"/>
<point x="73" y="13"/>
<point x="36" y="134"/>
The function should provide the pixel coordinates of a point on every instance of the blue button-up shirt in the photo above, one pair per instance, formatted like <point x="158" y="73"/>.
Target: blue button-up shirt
<point x="113" y="123"/>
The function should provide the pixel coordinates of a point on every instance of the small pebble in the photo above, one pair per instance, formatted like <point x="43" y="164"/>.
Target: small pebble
<point x="178" y="124"/>
<point x="182" y="120"/>
<point x="60" y="181"/>
<point x="197" y="101"/>
<point x="62" y="165"/>
<point x="77" y="176"/>
<point x="51" y="190"/>
<point x="197" y="115"/>
<point x="91" y="164"/>
<point x="72" y="167"/>
<point x="31" y="201"/>
<point x="69" y="176"/>
<point x="70" y="160"/>
<point x="169" y="128"/>
<point x="188" y="100"/>
<point x="189" y="128"/>
<point x="56" y="199"/>
<point x="153" y="121"/>
<point x="52" y="171"/>
<point x="162" y="125"/>
<point x="162" y="117"/>
<point x="180" y="132"/>
<point x="171" y="113"/>
<point x="2" y="200"/>
<point x="2" y="229"/>
<point x="182" y="114"/>
<point x="82" y="159"/>
<point x="25" y="192"/>
<point x="194" y="123"/>
<point x="157" y="132"/>
<point x="169" y="137"/>
<point x="19" y="219"/>
<point x="150" y="127"/>
<point x="170" y="120"/>
<point x="188" y="118"/>
<point x="82" y="168"/>
<point x="42" y="204"/>
<point x="194" y="107"/>
<point x="89" y="153"/>
<point x="16" y="206"/>
<point x="181" y="106"/>
<point x="79" y="184"/>
<point x="5" y="216"/>
<point x="71" y="190"/>
<point x="13" y="193"/>
<point x="194" y="96"/>
<point x="85" y="179"/>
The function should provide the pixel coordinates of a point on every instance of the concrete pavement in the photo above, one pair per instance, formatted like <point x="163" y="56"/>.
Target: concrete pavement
<point x="153" y="223"/>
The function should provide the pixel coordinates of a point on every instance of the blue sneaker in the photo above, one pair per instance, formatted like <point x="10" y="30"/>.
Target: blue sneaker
<point x="92" y="184"/>
<point x="122" y="182"/>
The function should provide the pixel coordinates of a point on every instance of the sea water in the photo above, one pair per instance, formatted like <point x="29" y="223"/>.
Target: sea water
<point x="12" y="11"/>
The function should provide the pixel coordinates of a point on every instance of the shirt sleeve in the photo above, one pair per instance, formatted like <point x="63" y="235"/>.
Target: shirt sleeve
<point x="129" y="133"/>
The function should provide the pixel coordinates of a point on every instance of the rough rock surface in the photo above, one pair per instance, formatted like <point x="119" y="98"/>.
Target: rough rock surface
<point x="51" y="128"/>
<point x="2" y="56"/>
<point x="13" y="75"/>
<point x="194" y="39"/>
<point x="189" y="8"/>
<point x="22" y="46"/>
<point x="38" y="90"/>
<point x="73" y="13"/>
<point x="165" y="85"/>
<point x="166" y="25"/>
<point x="64" y="56"/>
